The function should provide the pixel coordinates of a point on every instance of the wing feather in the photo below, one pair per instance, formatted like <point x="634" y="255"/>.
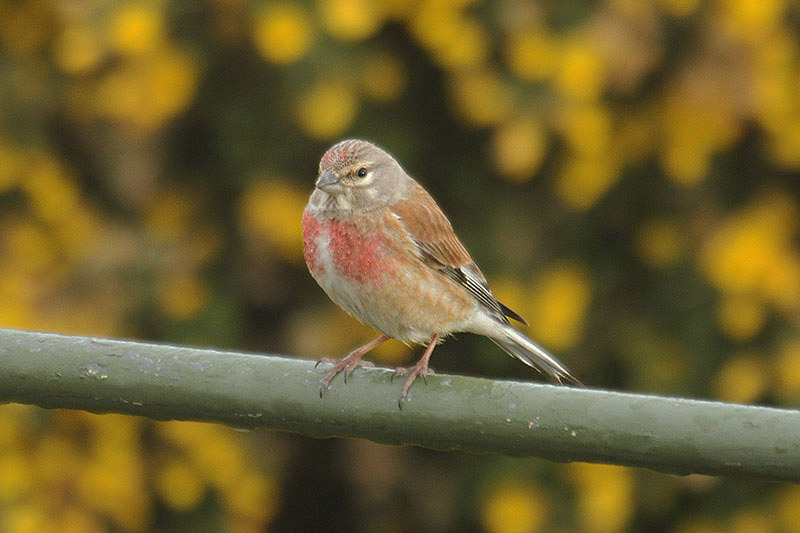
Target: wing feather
<point x="439" y="247"/>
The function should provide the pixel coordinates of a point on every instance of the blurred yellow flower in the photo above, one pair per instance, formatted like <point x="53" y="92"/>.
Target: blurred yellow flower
<point x="13" y="432"/>
<point x="751" y="19"/>
<point x="137" y="27"/>
<point x="19" y="294"/>
<point x="51" y="190"/>
<point x="481" y="97"/>
<point x="56" y="460"/>
<point x="559" y="300"/>
<point x="25" y="27"/>
<point x="351" y="20"/>
<point x="680" y="8"/>
<point x="171" y="214"/>
<point x="16" y="475"/>
<point x="75" y="519"/>
<point x="788" y="508"/>
<point x="383" y="77"/>
<point x="254" y="497"/>
<point x="173" y="75"/>
<point x="786" y="374"/>
<point x="583" y="180"/>
<point x="219" y="454"/>
<point x="693" y="132"/>
<point x="311" y="346"/>
<point x="273" y="210"/>
<point x="112" y="483"/>
<point x="29" y="246"/>
<point x="531" y="55"/>
<point x="514" y="507"/>
<point x="519" y="147"/>
<point x="587" y="128"/>
<point x="327" y="109"/>
<point x="74" y="471"/>
<point x="179" y="485"/>
<point x="782" y="280"/>
<point x="741" y="317"/>
<point x="283" y="32"/>
<point x="77" y="49"/>
<point x="659" y="242"/>
<point x="752" y="521"/>
<point x="80" y="234"/>
<point x="685" y="163"/>
<point x="738" y="255"/>
<point x="581" y="72"/>
<point x="182" y="295"/>
<point x="605" y="496"/>
<point x="392" y="353"/>
<point x="434" y="25"/>
<point x="784" y="142"/>
<point x="469" y="49"/>
<point x="775" y="81"/>
<point x="752" y="253"/>
<point x="742" y="379"/>
<point x="27" y="518"/>
<point x="148" y="92"/>
<point x="11" y="165"/>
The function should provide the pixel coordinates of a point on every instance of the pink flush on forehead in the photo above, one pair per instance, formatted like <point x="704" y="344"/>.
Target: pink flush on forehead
<point x="338" y="155"/>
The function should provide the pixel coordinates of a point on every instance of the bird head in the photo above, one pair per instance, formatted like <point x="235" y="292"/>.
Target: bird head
<point x="359" y="174"/>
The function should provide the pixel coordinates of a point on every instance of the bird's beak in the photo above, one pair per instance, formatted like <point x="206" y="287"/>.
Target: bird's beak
<point x="328" y="181"/>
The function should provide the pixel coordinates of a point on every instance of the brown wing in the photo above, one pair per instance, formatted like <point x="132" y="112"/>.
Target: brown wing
<point x="429" y="227"/>
<point x="439" y="248"/>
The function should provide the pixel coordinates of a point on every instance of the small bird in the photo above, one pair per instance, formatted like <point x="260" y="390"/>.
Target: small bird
<point x="382" y="249"/>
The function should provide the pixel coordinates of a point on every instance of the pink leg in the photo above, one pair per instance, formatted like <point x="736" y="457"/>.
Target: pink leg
<point x="348" y="363"/>
<point x="420" y="369"/>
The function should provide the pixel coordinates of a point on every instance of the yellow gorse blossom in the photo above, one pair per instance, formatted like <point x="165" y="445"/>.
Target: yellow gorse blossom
<point x="514" y="507"/>
<point x="283" y="32"/>
<point x="605" y="496"/>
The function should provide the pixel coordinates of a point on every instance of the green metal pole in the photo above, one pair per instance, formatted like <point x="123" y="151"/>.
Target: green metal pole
<point x="450" y="412"/>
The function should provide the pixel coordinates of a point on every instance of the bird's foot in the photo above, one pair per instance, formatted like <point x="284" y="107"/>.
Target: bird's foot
<point x="421" y="369"/>
<point x="347" y="364"/>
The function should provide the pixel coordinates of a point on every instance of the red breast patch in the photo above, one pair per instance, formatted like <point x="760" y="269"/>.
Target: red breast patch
<point x="357" y="255"/>
<point x="311" y="232"/>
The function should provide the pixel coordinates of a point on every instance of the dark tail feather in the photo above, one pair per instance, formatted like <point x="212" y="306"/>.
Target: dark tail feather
<point x="533" y="355"/>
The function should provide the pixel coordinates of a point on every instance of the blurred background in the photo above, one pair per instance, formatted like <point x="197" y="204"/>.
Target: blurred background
<point x="625" y="173"/>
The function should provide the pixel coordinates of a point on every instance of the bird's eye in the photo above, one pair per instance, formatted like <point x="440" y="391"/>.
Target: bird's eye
<point x="361" y="172"/>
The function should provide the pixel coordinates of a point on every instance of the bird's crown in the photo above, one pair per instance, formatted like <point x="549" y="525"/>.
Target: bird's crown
<point x="345" y="153"/>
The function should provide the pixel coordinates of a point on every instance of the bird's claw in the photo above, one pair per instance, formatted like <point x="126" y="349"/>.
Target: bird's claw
<point x="350" y="368"/>
<point x="403" y="371"/>
<point x="346" y="365"/>
<point x="418" y="370"/>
